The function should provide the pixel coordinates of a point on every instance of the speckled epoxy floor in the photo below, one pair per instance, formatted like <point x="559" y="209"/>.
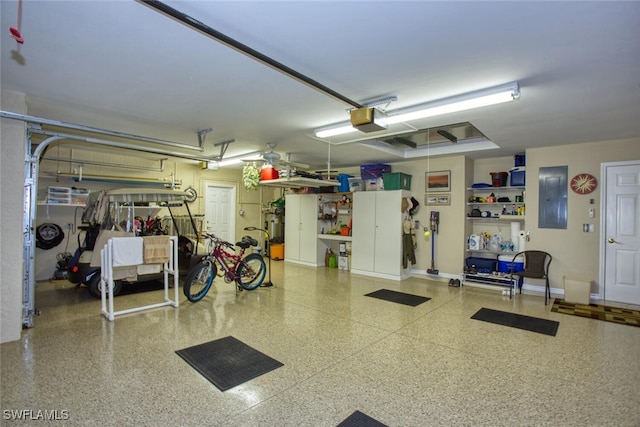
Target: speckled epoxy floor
<point x="429" y="365"/>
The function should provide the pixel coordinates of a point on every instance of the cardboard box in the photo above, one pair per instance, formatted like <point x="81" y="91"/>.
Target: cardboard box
<point x="577" y="291"/>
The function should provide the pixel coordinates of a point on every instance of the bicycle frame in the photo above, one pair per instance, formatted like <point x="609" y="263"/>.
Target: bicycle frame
<point x="222" y="256"/>
<point x="247" y="271"/>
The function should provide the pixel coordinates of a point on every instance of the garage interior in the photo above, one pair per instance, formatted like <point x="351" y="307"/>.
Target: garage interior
<point x="191" y="96"/>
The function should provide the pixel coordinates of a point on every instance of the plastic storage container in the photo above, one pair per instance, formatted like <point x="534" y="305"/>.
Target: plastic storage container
<point x="504" y="263"/>
<point x="79" y="196"/>
<point x="355" y="184"/>
<point x="343" y="179"/>
<point x="277" y="251"/>
<point x="343" y="262"/>
<point x="499" y="179"/>
<point x="482" y="265"/>
<point x="368" y="172"/>
<point x="268" y="172"/>
<point x="517" y="177"/>
<point x="519" y="160"/>
<point x="396" y="181"/>
<point x="59" y="195"/>
<point x="373" y="184"/>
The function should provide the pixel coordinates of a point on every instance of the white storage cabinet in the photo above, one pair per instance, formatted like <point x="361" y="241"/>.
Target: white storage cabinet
<point x="301" y="230"/>
<point x="377" y="234"/>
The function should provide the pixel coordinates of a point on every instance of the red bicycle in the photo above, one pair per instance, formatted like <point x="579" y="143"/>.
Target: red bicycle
<point x="228" y="262"/>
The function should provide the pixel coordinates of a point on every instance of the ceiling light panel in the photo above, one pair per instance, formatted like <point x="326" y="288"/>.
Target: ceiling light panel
<point x="482" y="98"/>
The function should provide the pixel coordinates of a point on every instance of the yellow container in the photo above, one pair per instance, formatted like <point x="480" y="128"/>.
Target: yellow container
<point x="277" y="251"/>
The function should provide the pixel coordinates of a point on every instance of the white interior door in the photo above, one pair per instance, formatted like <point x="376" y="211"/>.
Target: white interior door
<point x="622" y="232"/>
<point x="220" y="207"/>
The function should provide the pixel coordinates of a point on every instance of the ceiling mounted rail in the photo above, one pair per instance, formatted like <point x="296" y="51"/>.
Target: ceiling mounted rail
<point x="117" y="144"/>
<point x="234" y="44"/>
<point x="107" y="164"/>
<point x="57" y="123"/>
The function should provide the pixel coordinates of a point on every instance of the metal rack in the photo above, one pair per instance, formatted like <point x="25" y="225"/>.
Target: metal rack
<point x="106" y="277"/>
<point x="513" y="283"/>
<point x="181" y="225"/>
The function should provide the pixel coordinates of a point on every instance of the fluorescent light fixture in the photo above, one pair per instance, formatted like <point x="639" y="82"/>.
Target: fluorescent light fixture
<point x="468" y="101"/>
<point x="237" y="160"/>
<point x="335" y="131"/>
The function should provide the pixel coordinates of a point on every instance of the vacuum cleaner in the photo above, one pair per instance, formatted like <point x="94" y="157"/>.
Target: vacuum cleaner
<point x="434" y="220"/>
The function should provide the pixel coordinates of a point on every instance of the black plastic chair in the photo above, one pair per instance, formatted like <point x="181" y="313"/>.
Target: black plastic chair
<point x="536" y="266"/>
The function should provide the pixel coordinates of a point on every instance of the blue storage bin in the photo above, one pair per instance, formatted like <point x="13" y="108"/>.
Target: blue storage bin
<point x="343" y="179"/>
<point x="374" y="171"/>
<point x="517" y="178"/>
<point x="482" y="265"/>
<point x="519" y="160"/>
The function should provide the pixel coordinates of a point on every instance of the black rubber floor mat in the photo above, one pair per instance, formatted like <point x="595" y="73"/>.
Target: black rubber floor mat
<point x="228" y="362"/>
<point x="519" y="321"/>
<point x="359" y="419"/>
<point x="399" y="297"/>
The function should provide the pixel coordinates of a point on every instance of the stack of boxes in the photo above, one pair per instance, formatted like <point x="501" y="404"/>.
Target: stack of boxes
<point x="343" y="255"/>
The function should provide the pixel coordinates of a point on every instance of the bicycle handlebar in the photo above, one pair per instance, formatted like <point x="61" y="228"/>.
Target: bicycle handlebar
<point x="218" y="241"/>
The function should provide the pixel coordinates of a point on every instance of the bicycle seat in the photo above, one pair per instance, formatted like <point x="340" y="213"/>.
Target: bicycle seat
<point x="246" y="242"/>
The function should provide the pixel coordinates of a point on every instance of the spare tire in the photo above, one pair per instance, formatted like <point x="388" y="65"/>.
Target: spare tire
<point x="48" y="235"/>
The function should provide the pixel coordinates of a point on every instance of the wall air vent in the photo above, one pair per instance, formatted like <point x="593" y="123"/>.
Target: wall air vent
<point x="368" y="119"/>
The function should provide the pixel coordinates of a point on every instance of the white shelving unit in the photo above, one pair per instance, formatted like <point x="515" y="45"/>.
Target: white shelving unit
<point x="494" y="219"/>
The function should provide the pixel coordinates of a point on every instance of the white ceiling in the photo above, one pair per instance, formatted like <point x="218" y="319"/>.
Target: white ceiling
<point x="121" y="65"/>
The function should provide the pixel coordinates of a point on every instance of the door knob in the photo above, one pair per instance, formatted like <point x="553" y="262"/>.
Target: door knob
<point x="612" y="240"/>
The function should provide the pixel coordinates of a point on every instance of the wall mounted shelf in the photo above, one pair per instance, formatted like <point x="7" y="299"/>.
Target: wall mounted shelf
<point x="299" y="182"/>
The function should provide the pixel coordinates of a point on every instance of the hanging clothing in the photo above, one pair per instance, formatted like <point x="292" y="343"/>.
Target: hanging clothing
<point x="408" y="243"/>
<point x="408" y="250"/>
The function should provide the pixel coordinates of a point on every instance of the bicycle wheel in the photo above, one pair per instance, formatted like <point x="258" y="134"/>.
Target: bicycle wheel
<point x="251" y="272"/>
<point x="199" y="280"/>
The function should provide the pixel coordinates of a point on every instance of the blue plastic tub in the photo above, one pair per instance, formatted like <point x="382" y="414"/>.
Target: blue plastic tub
<point x="482" y="265"/>
<point x="517" y="177"/>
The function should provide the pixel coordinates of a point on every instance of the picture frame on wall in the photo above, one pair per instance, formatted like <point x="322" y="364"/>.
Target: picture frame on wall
<point x="438" y="181"/>
<point x="437" y="199"/>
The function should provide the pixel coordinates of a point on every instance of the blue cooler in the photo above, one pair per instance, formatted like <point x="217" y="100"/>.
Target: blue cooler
<point x="343" y="179"/>
<point x="504" y="263"/>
